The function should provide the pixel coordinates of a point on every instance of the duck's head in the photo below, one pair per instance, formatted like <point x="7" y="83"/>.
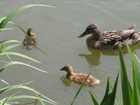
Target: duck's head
<point x="68" y="68"/>
<point x="91" y="29"/>
<point x="29" y="31"/>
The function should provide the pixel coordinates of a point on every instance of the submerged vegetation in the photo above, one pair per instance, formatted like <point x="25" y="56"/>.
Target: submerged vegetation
<point x="130" y="92"/>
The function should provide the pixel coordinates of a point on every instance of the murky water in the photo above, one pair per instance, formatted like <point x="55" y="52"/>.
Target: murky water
<point x="57" y="30"/>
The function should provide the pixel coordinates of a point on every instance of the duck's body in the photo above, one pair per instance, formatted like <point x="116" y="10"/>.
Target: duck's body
<point x="109" y="39"/>
<point x="79" y="77"/>
<point x="27" y="42"/>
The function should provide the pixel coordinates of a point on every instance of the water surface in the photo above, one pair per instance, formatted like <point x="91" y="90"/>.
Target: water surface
<point x="57" y="30"/>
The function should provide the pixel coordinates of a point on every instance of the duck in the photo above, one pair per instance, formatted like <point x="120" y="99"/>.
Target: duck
<point x="27" y="42"/>
<point x="79" y="78"/>
<point x="109" y="39"/>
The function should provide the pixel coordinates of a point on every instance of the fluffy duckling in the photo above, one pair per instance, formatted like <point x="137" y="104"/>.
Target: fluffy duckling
<point x="79" y="77"/>
<point x="109" y="39"/>
<point x="27" y="42"/>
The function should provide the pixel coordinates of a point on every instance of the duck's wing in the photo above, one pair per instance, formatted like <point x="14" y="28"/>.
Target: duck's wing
<point x="25" y="40"/>
<point x="80" y="78"/>
<point x="114" y="36"/>
<point x="110" y="37"/>
<point x="126" y="33"/>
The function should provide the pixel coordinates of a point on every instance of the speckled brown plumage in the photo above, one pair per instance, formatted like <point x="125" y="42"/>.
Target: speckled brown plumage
<point x="109" y="39"/>
<point x="27" y="42"/>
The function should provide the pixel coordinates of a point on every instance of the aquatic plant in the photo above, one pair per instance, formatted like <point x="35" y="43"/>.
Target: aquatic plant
<point x="14" y="95"/>
<point x="130" y="92"/>
<point x="4" y="50"/>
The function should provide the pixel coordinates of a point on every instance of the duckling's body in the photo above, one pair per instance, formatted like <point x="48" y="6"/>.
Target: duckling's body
<point x="109" y="39"/>
<point x="79" y="77"/>
<point x="27" y="42"/>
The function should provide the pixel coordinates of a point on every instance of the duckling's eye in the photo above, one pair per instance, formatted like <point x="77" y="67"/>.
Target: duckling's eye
<point x="65" y="68"/>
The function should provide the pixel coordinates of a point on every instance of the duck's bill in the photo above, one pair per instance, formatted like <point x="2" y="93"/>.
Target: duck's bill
<point x="82" y="35"/>
<point x="62" y="69"/>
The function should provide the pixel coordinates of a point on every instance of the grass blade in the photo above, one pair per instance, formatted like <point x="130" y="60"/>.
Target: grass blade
<point x="80" y="89"/>
<point x="135" y="93"/>
<point x="20" y="55"/>
<point x="116" y="99"/>
<point x="28" y="97"/>
<point x="113" y="95"/>
<point x="4" y="49"/>
<point x="23" y="31"/>
<point x="106" y="93"/>
<point x="42" y="103"/>
<point x="137" y="72"/>
<point x="136" y="78"/>
<point x="5" y="89"/>
<point x="5" y="29"/>
<point x="41" y="50"/>
<point x="93" y="98"/>
<point x="1" y="19"/>
<point x="9" y="41"/>
<point x="126" y="88"/>
<point x="20" y="63"/>
<point x="136" y="57"/>
<point x="9" y="17"/>
<point x="8" y="88"/>
<point x="10" y="47"/>
<point x="30" y="38"/>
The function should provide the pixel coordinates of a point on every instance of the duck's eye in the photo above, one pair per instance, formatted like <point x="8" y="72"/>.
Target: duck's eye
<point x="90" y="29"/>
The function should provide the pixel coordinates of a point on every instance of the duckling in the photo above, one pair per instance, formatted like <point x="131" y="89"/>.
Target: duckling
<point x="79" y="77"/>
<point x="109" y="39"/>
<point x="27" y="42"/>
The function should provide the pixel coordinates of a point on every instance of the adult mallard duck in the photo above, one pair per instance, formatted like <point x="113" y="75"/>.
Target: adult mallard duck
<point x="109" y="39"/>
<point x="29" y="43"/>
<point x="79" y="77"/>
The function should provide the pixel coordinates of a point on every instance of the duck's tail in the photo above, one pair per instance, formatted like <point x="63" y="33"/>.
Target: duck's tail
<point x="97" y="82"/>
<point x="135" y="38"/>
<point x="132" y="27"/>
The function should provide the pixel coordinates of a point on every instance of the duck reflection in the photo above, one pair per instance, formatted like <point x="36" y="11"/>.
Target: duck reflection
<point x="124" y="50"/>
<point x="65" y="81"/>
<point x="94" y="57"/>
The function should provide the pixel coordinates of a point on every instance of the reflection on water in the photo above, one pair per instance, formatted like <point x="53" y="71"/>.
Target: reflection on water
<point x="58" y="29"/>
<point x="65" y="81"/>
<point x="94" y="57"/>
<point x="124" y="50"/>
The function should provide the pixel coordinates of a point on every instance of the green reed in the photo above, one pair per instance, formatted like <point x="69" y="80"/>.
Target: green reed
<point x="4" y="50"/>
<point x="130" y="92"/>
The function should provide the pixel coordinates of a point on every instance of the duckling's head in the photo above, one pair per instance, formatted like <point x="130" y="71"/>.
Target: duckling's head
<point x="29" y="31"/>
<point x="91" y="29"/>
<point x="68" y="68"/>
